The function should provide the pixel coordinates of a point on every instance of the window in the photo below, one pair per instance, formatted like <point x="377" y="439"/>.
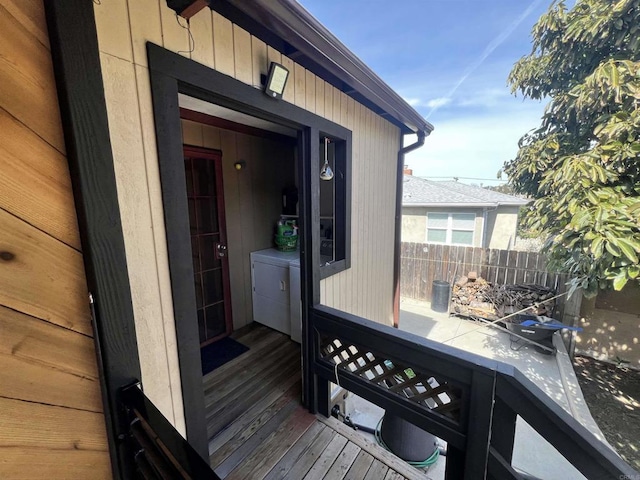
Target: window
<point x="451" y="228"/>
<point x="334" y="211"/>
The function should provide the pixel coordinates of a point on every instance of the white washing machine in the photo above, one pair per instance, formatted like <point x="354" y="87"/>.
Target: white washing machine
<point x="275" y="277"/>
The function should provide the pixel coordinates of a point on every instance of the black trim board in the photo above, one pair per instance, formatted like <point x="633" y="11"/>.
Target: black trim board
<point x="172" y="74"/>
<point x="76" y="62"/>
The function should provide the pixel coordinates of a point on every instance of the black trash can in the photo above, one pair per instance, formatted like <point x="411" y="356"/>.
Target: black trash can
<point x="410" y="443"/>
<point x="440" y="296"/>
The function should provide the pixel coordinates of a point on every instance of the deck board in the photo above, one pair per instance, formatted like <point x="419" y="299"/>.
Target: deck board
<point x="360" y="466"/>
<point x="258" y="428"/>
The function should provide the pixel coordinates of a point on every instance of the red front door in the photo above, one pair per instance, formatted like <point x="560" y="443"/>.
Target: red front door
<point x="203" y="170"/>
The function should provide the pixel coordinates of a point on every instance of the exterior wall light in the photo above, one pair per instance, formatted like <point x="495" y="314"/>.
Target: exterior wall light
<point x="276" y="80"/>
<point x="240" y="165"/>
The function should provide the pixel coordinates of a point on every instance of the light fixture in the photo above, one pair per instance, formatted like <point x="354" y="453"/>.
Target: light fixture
<point x="240" y="165"/>
<point x="325" y="172"/>
<point x="276" y="80"/>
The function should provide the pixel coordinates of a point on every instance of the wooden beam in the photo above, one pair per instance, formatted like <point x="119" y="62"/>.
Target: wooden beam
<point x="194" y="8"/>
<point x="225" y="124"/>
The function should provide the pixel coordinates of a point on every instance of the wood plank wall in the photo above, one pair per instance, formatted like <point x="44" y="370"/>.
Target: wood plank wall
<point x="124" y="26"/>
<point x="253" y="200"/>
<point x="51" y="420"/>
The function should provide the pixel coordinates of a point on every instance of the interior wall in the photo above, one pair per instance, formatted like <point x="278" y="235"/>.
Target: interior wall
<point x="252" y="197"/>
<point x="124" y="27"/>
<point x="51" y="414"/>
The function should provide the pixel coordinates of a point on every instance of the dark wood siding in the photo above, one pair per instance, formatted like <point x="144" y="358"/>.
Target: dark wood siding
<point x="52" y="425"/>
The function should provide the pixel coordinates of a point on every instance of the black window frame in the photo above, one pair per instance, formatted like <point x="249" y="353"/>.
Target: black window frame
<point x="342" y="206"/>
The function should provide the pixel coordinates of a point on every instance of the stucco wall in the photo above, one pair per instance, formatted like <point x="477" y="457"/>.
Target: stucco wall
<point x="501" y="227"/>
<point x="611" y="324"/>
<point x="124" y="27"/>
<point x="414" y="222"/>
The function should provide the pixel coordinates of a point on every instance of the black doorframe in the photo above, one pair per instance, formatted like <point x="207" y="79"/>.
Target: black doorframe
<point x="171" y="74"/>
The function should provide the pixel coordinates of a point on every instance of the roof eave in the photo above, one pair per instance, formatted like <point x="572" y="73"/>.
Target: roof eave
<point x="448" y="205"/>
<point x="461" y="204"/>
<point x="317" y="49"/>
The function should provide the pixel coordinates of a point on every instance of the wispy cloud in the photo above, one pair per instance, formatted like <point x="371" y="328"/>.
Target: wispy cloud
<point x="476" y="145"/>
<point x="489" y="49"/>
<point x="414" y="102"/>
<point x="438" y="102"/>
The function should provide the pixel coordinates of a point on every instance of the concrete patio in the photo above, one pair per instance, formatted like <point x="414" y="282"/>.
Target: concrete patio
<point x="553" y="374"/>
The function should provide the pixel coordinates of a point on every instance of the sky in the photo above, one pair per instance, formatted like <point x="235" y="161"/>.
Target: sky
<point x="450" y="60"/>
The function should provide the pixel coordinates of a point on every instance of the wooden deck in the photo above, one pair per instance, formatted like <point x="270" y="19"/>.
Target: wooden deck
<point x="259" y="429"/>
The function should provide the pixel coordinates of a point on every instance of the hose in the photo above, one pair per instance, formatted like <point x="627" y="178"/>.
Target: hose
<point x="423" y="464"/>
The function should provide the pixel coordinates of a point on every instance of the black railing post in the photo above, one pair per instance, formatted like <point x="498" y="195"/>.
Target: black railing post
<point x="503" y="429"/>
<point x="478" y="426"/>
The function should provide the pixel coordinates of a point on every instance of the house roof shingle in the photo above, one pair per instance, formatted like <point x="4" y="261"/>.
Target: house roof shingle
<point x="426" y="193"/>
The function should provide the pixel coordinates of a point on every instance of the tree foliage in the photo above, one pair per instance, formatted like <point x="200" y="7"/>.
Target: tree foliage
<point x="582" y="164"/>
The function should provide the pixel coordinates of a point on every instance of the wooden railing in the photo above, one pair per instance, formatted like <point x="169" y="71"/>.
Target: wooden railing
<point x="153" y="448"/>
<point x="469" y="401"/>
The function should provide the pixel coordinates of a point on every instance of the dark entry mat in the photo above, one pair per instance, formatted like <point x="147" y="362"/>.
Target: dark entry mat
<point x="218" y="353"/>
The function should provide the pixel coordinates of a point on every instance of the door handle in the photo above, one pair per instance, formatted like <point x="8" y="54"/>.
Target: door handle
<point x="221" y="250"/>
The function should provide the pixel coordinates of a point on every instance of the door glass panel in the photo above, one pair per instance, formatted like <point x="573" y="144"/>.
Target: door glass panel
<point x="197" y="281"/>
<point x="202" y="327"/>
<point x="208" y="270"/>
<point x="207" y="218"/>
<point x="193" y="221"/>
<point x="215" y="320"/>
<point x="204" y="177"/>
<point x="207" y="245"/>
<point x="195" y="254"/>
<point x="188" y="173"/>
<point x="212" y="286"/>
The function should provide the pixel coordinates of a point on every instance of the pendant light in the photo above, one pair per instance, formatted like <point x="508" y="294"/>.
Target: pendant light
<point x="325" y="172"/>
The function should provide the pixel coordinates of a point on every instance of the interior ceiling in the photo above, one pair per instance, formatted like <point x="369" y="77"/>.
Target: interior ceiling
<point x="201" y="106"/>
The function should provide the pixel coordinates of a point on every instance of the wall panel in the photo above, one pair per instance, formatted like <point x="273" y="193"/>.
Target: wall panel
<point x="365" y="289"/>
<point x="51" y="420"/>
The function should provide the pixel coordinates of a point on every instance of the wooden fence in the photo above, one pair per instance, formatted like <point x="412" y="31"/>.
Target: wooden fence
<point x="423" y="263"/>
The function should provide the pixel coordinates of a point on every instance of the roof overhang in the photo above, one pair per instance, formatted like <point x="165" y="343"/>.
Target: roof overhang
<point x="289" y="28"/>
<point x="449" y="205"/>
<point x="465" y="205"/>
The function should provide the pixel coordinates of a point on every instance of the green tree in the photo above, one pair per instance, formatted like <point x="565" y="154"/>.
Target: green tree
<point x="582" y="164"/>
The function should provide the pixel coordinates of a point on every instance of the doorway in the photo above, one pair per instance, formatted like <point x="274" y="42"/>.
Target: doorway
<point x="205" y="197"/>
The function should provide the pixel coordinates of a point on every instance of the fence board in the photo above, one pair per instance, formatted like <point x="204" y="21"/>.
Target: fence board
<point x="423" y="263"/>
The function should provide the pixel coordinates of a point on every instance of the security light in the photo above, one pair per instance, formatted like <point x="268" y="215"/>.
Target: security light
<point x="276" y="80"/>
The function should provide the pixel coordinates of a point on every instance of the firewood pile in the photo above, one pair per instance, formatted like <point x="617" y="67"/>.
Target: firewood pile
<point x="474" y="296"/>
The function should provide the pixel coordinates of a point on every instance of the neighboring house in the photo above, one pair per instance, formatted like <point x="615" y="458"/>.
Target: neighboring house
<point x="142" y="164"/>
<point x="453" y="213"/>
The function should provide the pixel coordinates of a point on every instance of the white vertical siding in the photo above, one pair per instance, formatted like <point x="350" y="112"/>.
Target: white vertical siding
<point x="124" y="27"/>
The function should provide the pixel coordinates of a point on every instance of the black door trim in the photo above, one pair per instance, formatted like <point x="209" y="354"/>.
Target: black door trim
<point x="172" y="74"/>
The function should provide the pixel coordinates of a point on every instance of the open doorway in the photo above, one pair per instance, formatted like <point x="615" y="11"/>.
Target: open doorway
<point x="251" y="189"/>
